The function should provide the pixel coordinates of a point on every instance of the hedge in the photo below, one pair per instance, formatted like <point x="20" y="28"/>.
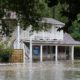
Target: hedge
<point x="5" y="55"/>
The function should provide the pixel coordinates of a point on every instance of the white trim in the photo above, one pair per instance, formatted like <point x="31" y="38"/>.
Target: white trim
<point x="24" y="53"/>
<point x="30" y="50"/>
<point x="72" y="53"/>
<point x="41" y="52"/>
<point x="56" y="53"/>
<point x="18" y="36"/>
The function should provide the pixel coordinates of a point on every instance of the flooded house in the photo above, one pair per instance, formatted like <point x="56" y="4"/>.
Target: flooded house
<point x="51" y="44"/>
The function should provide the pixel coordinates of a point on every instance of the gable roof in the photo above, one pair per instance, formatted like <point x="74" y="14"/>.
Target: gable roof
<point x="52" y="21"/>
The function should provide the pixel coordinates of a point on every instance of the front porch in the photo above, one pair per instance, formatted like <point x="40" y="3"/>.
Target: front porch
<point x="50" y="52"/>
<point x="53" y="53"/>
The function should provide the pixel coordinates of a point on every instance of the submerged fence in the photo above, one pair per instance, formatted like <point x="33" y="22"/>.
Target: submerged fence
<point x="17" y="56"/>
<point x="11" y="56"/>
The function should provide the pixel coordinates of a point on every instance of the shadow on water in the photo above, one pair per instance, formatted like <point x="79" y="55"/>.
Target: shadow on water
<point x="63" y="70"/>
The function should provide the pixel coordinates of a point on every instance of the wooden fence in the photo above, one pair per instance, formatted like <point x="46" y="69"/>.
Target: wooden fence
<point x="17" y="56"/>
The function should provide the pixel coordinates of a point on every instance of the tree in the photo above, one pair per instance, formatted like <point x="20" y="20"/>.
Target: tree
<point x="29" y="12"/>
<point x="75" y="30"/>
<point x="57" y="13"/>
<point x="70" y="9"/>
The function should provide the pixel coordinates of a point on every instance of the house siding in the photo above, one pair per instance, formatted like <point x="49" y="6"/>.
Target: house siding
<point x="51" y="34"/>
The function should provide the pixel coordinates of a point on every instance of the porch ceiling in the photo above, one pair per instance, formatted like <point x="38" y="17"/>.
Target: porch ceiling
<point x="52" y="43"/>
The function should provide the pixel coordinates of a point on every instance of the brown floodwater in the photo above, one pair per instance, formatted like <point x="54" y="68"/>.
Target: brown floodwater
<point x="62" y="70"/>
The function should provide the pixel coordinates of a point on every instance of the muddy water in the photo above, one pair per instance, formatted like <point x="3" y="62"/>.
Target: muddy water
<point x="63" y="70"/>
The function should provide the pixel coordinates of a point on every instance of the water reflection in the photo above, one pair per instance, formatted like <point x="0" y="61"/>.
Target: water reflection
<point x="41" y="71"/>
<point x="8" y="75"/>
<point x="58" y="72"/>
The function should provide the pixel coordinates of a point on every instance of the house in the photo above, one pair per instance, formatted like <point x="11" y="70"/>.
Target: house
<point x="45" y="45"/>
<point x="9" y="16"/>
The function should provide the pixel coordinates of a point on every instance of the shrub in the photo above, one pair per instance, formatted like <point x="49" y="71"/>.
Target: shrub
<point x="77" y="52"/>
<point x="5" y="55"/>
<point x="1" y="45"/>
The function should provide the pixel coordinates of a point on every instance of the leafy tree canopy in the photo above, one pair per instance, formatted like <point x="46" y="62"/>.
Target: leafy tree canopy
<point x="28" y="12"/>
<point x="70" y="9"/>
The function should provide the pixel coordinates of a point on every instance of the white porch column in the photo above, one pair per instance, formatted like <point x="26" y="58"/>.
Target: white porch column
<point x="56" y="53"/>
<point x="23" y="53"/>
<point x="30" y="50"/>
<point x="72" y="53"/>
<point x="18" y="36"/>
<point x="41" y="52"/>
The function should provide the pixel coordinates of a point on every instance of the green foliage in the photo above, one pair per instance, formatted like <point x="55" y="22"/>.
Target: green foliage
<point x="1" y="45"/>
<point x="57" y="13"/>
<point x="8" y="26"/>
<point x="77" y="52"/>
<point x="70" y="9"/>
<point x="5" y="55"/>
<point x="28" y="12"/>
<point x="75" y="30"/>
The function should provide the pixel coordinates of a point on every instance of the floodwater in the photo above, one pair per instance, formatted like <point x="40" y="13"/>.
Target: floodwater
<point x="63" y="70"/>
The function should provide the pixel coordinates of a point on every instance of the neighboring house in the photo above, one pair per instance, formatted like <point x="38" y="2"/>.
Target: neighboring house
<point x="45" y="45"/>
<point x="9" y="16"/>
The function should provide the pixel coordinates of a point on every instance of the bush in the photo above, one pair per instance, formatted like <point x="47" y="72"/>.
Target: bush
<point x="77" y="52"/>
<point x="5" y="55"/>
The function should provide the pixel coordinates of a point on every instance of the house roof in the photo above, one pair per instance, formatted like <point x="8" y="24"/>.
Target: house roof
<point x="68" y="40"/>
<point x="52" y="21"/>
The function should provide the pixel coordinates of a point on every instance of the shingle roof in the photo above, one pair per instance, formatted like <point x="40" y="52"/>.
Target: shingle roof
<point x="52" y="21"/>
<point x="68" y="40"/>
